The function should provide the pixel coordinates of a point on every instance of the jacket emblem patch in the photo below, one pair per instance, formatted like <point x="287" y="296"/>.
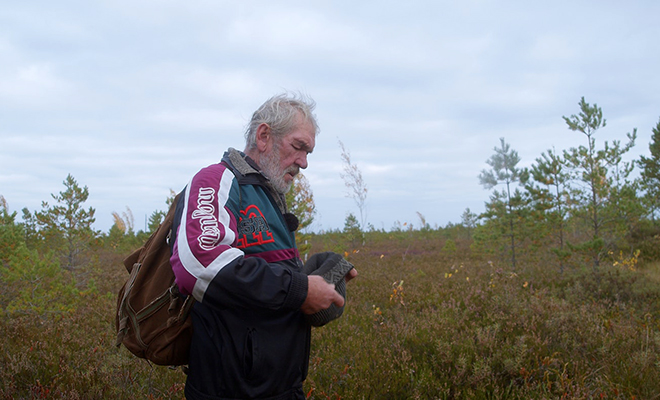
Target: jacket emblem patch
<point x="252" y="228"/>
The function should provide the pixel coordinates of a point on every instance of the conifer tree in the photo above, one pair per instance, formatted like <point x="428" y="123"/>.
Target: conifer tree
<point x="650" y="175"/>
<point x="67" y="225"/>
<point x="592" y="193"/>
<point x="30" y="228"/>
<point x="154" y="221"/>
<point x="549" y="191"/>
<point x="624" y="210"/>
<point x="10" y="232"/>
<point x="504" y="170"/>
<point x="157" y="217"/>
<point x="588" y="167"/>
<point x="469" y="221"/>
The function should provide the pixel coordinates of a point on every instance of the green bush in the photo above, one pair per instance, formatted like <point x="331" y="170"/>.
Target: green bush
<point x="36" y="286"/>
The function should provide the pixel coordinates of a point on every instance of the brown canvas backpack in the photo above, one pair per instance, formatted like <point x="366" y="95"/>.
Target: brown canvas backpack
<point x="153" y="319"/>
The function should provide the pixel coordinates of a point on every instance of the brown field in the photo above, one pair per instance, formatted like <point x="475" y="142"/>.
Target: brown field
<point x="423" y="321"/>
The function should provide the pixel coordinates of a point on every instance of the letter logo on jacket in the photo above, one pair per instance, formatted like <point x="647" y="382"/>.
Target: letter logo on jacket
<point x="253" y="229"/>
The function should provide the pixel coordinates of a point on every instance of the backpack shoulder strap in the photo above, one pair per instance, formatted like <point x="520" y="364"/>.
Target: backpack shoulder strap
<point x="178" y="204"/>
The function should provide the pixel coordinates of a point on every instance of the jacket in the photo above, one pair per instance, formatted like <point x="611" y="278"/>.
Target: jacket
<point x="236" y="255"/>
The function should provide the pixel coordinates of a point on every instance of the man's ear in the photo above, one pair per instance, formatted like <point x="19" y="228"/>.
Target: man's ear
<point x="263" y="137"/>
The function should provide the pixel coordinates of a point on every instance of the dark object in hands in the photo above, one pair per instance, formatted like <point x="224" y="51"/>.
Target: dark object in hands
<point x="333" y="268"/>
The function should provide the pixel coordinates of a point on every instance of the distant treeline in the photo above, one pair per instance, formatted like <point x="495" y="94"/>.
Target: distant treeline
<point x="578" y="204"/>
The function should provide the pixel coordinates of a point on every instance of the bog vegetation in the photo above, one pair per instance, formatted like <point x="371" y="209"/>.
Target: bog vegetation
<point x="552" y="292"/>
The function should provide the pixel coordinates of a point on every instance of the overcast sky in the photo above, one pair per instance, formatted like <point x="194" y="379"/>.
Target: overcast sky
<point x="133" y="97"/>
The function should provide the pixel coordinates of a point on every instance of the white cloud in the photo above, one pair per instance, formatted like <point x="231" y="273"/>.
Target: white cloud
<point x="196" y="120"/>
<point x="133" y="98"/>
<point x="35" y="85"/>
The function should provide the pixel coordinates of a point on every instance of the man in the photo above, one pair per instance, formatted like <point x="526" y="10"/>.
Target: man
<point x="235" y="252"/>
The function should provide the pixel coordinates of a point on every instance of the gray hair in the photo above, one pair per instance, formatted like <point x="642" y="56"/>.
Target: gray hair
<point x="281" y="113"/>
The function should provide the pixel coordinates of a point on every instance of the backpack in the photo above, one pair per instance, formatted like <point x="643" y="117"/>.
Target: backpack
<point x="153" y="319"/>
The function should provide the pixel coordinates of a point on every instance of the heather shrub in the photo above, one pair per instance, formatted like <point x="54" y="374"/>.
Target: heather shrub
<point x="419" y="323"/>
<point x="60" y="342"/>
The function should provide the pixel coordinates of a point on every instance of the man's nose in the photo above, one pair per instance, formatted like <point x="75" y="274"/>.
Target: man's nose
<point x="302" y="161"/>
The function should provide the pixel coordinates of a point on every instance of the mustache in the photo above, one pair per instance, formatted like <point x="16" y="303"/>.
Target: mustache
<point x="293" y="170"/>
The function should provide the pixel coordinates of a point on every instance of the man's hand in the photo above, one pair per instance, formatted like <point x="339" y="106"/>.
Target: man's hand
<point x="320" y="295"/>
<point x="351" y="274"/>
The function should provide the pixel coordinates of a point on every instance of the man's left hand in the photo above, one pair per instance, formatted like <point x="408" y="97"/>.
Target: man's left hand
<point x="351" y="274"/>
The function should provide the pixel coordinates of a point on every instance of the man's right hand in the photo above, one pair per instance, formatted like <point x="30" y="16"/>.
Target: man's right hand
<point x="320" y="295"/>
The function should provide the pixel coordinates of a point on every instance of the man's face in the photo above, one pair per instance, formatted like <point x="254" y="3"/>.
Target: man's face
<point x="287" y="155"/>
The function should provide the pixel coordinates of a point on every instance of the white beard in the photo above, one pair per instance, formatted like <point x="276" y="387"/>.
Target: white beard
<point x="270" y="166"/>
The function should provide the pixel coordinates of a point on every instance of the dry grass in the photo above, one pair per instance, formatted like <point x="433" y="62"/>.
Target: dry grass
<point x="424" y="320"/>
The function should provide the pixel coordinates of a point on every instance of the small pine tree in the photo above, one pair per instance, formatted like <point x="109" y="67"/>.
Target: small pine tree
<point x="67" y="225"/>
<point x="352" y="230"/>
<point x="504" y="170"/>
<point x="650" y="173"/>
<point x="157" y="217"/>
<point x="449" y="248"/>
<point x="11" y="235"/>
<point x="599" y="196"/>
<point x="548" y="191"/>
<point x="469" y="221"/>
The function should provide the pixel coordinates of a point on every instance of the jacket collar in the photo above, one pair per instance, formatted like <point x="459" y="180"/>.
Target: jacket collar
<point x="241" y="163"/>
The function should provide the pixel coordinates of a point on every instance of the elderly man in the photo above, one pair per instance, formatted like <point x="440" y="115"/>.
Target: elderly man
<point x="235" y="252"/>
